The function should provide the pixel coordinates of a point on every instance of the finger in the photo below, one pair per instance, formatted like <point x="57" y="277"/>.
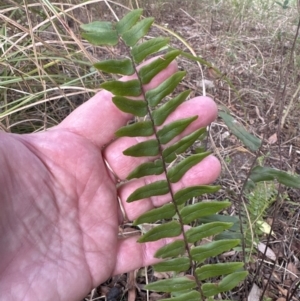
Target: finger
<point x="203" y="173"/>
<point x="122" y="165"/>
<point x="98" y="119"/>
<point x="143" y="254"/>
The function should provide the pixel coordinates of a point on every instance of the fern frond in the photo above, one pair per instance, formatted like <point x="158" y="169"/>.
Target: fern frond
<point x="162" y="144"/>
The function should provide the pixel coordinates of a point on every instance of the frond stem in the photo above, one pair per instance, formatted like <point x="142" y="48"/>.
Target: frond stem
<point x="192" y="263"/>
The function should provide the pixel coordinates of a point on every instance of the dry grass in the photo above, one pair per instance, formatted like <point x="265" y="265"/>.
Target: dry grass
<point x="45" y="72"/>
<point x="45" y="68"/>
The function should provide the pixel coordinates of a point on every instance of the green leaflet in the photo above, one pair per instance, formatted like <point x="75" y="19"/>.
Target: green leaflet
<point x="165" y="212"/>
<point x="147" y="169"/>
<point x="197" y="233"/>
<point x="135" y="107"/>
<point x="172" y="249"/>
<point x="172" y="285"/>
<point x="234" y="231"/>
<point x="118" y="88"/>
<point x="177" y="172"/>
<point x="185" y="194"/>
<point x="97" y="26"/>
<point x="260" y="173"/>
<point x="123" y="67"/>
<point x="146" y="148"/>
<point x="239" y="131"/>
<point x="218" y="269"/>
<point x="101" y="38"/>
<point x="222" y="218"/>
<point x="160" y="114"/>
<point x="128" y="20"/>
<point x="100" y="33"/>
<point x="156" y="95"/>
<point x="227" y="284"/>
<point x="173" y="129"/>
<point x="170" y="229"/>
<point x="139" y="30"/>
<point x="176" y="265"/>
<point x="138" y="129"/>
<point x="231" y="281"/>
<point x="192" y="212"/>
<point x="190" y="296"/>
<point x="147" y="72"/>
<point x="229" y="235"/>
<point x="153" y="189"/>
<point x="170" y="153"/>
<point x="213" y="249"/>
<point x="141" y="51"/>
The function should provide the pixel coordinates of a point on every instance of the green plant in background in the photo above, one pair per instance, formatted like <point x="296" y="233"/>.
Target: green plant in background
<point x="44" y="72"/>
<point x="260" y="199"/>
<point x="258" y="193"/>
<point x="202" y="280"/>
<point x="284" y="4"/>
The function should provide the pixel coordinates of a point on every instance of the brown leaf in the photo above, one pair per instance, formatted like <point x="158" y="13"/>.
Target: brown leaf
<point x="146" y="227"/>
<point x="213" y="73"/>
<point x="155" y="297"/>
<point x="283" y="291"/>
<point x="228" y="254"/>
<point x="255" y="293"/>
<point x="191" y="277"/>
<point x="272" y="139"/>
<point x="294" y="271"/>
<point x="163" y="275"/>
<point x="269" y="253"/>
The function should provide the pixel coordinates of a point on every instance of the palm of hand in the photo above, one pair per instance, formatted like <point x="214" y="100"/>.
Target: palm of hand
<point x="68" y="230"/>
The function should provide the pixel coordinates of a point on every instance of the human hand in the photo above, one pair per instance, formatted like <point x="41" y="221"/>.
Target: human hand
<point x="59" y="217"/>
